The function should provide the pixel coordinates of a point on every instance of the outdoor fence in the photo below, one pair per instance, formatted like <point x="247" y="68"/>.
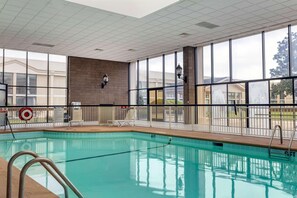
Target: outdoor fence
<point x="245" y="120"/>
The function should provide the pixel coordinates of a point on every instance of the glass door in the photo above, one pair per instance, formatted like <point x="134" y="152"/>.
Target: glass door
<point x="156" y="97"/>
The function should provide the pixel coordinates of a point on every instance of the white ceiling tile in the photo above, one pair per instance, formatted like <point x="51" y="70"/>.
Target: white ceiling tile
<point x="78" y="30"/>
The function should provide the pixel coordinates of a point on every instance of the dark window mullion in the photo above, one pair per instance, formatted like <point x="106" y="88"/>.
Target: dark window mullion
<point x="195" y="80"/>
<point x="175" y="78"/>
<point x="67" y="80"/>
<point x="137" y="82"/>
<point x="27" y="79"/>
<point x="147" y="73"/>
<point x="263" y="56"/>
<point x="290" y="49"/>
<point x="211" y="64"/>
<point x="129" y="69"/>
<point x="47" y="89"/>
<point x="230" y="61"/>
<point x="3" y="63"/>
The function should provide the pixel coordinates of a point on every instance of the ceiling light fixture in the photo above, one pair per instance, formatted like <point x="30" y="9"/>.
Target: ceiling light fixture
<point x="133" y="8"/>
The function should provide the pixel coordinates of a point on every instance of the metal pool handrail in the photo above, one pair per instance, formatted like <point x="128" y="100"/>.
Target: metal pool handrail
<point x="291" y="141"/>
<point x="272" y="136"/>
<point x="9" y="172"/>
<point x="53" y="166"/>
<point x="281" y="140"/>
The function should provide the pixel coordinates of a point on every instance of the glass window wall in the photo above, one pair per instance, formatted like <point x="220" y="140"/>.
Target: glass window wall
<point x="221" y="62"/>
<point x="1" y="65"/>
<point x="294" y="50"/>
<point x="142" y="74"/>
<point x="207" y="64"/>
<point x="133" y="75"/>
<point x="180" y="61"/>
<point x="276" y="53"/>
<point x="281" y="91"/>
<point x="170" y="70"/>
<point x="156" y="72"/>
<point x="247" y="58"/>
<point x="30" y="77"/>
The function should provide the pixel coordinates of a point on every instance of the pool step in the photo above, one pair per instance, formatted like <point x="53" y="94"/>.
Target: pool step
<point x="280" y="154"/>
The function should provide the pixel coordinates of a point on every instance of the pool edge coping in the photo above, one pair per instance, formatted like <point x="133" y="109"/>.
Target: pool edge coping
<point x="206" y="136"/>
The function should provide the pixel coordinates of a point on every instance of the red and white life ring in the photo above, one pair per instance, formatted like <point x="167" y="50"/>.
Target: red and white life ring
<point x="26" y="113"/>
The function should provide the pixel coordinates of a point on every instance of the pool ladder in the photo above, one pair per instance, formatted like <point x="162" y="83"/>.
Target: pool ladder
<point x="287" y="154"/>
<point x="47" y="164"/>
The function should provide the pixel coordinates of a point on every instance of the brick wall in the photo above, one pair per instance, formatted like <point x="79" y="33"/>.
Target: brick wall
<point x="85" y="77"/>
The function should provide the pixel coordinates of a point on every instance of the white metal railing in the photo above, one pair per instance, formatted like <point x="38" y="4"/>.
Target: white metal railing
<point x="244" y="120"/>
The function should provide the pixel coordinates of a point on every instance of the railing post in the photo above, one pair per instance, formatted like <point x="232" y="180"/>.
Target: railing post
<point x="281" y="116"/>
<point x="99" y="115"/>
<point x="170" y="117"/>
<point x="134" y="114"/>
<point x="192" y="117"/>
<point x="151" y="115"/>
<point x="209" y="118"/>
<point x="241" y="125"/>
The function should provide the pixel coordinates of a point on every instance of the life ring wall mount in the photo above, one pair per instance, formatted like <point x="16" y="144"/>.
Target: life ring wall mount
<point x="26" y="113"/>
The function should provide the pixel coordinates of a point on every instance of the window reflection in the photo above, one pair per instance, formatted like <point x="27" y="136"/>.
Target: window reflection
<point x="157" y="169"/>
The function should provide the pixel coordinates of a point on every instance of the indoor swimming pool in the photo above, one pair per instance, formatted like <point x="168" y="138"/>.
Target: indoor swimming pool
<point x="132" y="164"/>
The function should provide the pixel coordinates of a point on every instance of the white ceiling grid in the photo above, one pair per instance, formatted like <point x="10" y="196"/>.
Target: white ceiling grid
<point x="77" y="30"/>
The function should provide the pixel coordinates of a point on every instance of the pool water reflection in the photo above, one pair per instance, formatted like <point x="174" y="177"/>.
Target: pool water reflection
<point x="131" y="167"/>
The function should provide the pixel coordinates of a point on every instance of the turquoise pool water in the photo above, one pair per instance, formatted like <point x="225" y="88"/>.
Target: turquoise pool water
<point x="136" y="165"/>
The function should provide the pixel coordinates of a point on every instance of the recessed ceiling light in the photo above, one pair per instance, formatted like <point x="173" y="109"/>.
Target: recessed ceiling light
<point x="207" y="25"/>
<point x="134" y="8"/>
<point x="43" y="44"/>
<point x="98" y="49"/>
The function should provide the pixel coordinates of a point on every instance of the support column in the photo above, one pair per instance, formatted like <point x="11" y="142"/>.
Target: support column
<point x="189" y="87"/>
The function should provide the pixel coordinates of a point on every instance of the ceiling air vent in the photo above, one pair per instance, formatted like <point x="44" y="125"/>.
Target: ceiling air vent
<point x="43" y="44"/>
<point x="184" y="34"/>
<point x="207" y="25"/>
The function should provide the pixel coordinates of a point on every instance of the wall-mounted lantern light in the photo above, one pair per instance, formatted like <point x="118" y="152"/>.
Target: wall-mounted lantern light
<point x="104" y="81"/>
<point x="179" y="71"/>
